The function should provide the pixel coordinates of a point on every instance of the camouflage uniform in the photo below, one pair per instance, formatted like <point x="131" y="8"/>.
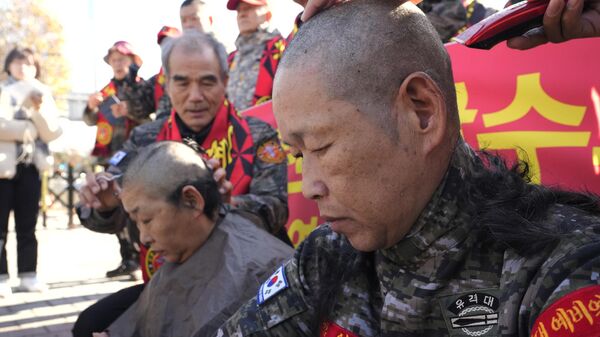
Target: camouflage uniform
<point x="267" y="197"/>
<point x="445" y="278"/>
<point x="252" y="68"/>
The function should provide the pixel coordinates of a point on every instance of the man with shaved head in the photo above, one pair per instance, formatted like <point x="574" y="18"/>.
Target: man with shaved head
<point x="212" y="263"/>
<point x="424" y="237"/>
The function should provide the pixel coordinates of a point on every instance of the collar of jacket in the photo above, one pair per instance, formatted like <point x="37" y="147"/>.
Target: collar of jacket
<point x="257" y="39"/>
<point x="441" y="226"/>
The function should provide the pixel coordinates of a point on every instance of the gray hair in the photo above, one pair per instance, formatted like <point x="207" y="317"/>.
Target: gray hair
<point x="194" y="41"/>
<point x="165" y="168"/>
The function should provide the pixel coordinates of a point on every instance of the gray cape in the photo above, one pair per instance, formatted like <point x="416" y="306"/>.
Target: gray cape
<point x="196" y="297"/>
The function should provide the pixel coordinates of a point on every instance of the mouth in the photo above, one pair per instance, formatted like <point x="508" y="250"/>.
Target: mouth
<point x="197" y="111"/>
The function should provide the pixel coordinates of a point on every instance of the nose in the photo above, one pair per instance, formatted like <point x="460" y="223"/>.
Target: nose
<point x="196" y="93"/>
<point x="145" y="237"/>
<point x="313" y="186"/>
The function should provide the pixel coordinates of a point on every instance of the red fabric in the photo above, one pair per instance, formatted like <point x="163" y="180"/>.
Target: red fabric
<point x="330" y="329"/>
<point x="102" y="146"/>
<point x="575" y="314"/>
<point x="268" y="66"/>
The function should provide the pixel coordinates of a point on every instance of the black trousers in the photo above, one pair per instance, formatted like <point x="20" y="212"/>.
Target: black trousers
<point x="100" y="315"/>
<point x="21" y="194"/>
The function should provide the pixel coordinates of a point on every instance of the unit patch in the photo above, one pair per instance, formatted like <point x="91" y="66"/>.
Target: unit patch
<point x="471" y="314"/>
<point x="271" y="152"/>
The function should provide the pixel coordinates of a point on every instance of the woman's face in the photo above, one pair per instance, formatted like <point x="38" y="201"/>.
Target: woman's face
<point x="23" y="68"/>
<point x="120" y="64"/>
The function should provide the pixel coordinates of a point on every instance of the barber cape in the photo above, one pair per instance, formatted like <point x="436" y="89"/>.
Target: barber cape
<point x="196" y="297"/>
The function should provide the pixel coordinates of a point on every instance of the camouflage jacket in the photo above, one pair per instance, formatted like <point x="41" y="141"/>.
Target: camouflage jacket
<point x="252" y="68"/>
<point x="445" y="278"/>
<point x="267" y="197"/>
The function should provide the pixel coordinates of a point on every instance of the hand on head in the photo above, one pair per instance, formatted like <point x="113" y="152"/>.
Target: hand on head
<point x="563" y="20"/>
<point x="312" y="7"/>
<point x="225" y="186"/>
<point x="100" y="192"/>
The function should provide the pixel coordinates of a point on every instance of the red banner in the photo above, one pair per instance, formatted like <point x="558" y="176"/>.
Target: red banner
<point x="541" y="105"/>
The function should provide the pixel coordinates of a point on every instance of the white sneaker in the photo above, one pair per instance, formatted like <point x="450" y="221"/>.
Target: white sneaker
<point x="30" y="283"/>
<point x="5" y="289"/>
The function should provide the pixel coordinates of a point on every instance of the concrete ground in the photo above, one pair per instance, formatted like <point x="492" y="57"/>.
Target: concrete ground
<point x="73" y="262"/>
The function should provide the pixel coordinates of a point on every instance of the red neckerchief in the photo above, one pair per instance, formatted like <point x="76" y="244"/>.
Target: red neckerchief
<point x="229" y="141"/>
<point x="104" y="130"/>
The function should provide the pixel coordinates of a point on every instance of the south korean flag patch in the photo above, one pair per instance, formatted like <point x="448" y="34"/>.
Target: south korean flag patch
<point x="117" y="158"/>
<point x="276" y="283"/>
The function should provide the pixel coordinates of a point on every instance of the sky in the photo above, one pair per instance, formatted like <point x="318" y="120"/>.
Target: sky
<point x="92" y="26"/>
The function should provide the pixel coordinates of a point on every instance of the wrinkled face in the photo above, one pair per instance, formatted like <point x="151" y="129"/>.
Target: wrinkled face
<point x="363" y="179"/>
<point x="195" y="86"/>
<point x="168" y="230"/>
<point x="249" y="17"/>
<point x="120" y="64"/>
<point x="194" y="17"/>
<point x="23" y="68"/>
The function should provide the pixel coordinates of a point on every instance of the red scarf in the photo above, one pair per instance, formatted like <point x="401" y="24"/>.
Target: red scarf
<point x="104" y="132"/>
<point x="229" y="140"/>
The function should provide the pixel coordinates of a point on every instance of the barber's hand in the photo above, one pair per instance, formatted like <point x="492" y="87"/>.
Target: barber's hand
<point x="100" y="192"/>
<point x="562" y="22"/>
<point x="219" y="174"/>
<point x="94" y="101"/>
<point x="312" y="7"/>
<point x="100" y="334"/>
<point x="119" y="110"/>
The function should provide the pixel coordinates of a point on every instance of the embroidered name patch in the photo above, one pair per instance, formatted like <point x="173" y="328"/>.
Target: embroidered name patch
<point x="276" y="283"/>
<point x="117" y="158"/>
<point x="575" y="314"/>
<point x="471" y="314"/>
<point x="271" y="152"/>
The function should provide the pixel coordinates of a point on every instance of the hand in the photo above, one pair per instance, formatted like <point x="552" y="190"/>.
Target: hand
<point x="562" y="22"/>
<point x="100" y="334"/>
<point x="36" y="98"/>
<point x="312" y="7"/>
<point x="94" y="101"/>
<point x="100" y="191"/>
<point x="219" y="174"/>
<point x="119" y="109"/>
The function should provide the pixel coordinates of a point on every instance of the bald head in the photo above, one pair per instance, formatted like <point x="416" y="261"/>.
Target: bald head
<point x="364" y="49"/>
<point x="162" y="169"/>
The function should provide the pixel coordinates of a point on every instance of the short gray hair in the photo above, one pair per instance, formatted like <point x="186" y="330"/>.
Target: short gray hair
<point x="195" y="41"/>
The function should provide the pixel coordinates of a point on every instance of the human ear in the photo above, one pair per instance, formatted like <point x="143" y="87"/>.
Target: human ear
<point x="191" y="198"/>
<point x="422" y="103"/>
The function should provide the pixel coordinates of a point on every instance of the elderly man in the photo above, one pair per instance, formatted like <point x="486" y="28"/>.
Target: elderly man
<point x="212" y="261"/>
<point x="253" y="177"/>
<point x="253" y="64"/>
<point x="424" y="237"/>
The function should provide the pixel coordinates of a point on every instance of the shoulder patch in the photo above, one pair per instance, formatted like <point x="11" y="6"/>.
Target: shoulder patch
<point x="276" y="283"/>
<point x="117" y="158"/>
<point x="575" y="314"/>
<point x="271" y="152"/>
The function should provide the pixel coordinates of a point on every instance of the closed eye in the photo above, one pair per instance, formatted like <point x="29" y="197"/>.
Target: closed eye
<point x="322" y="149"/>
